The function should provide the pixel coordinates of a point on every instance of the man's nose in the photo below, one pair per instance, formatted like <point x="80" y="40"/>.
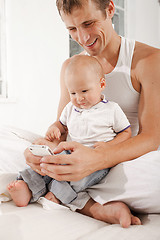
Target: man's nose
<point x="83" y="36"/>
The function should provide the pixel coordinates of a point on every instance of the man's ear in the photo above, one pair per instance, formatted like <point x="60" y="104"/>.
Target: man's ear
<point x="103" y="83"/>
<point x="110" y="10"/>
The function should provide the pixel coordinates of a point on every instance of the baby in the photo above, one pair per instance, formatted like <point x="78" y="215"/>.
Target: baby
<point x="89" y="119"/>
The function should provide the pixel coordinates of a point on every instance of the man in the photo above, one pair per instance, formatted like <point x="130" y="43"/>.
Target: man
<point x="125" y="63"/>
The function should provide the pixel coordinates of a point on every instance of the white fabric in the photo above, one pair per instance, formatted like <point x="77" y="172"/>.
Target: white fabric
<point x="12" y="151"/>
<point x="13" y="142"/>
<point x="139" y="179"/>
<point x="136" y="183"/>
<point x="119" y="86"/>
<point x="99" y="123"/>
<point x="34" y="222"/>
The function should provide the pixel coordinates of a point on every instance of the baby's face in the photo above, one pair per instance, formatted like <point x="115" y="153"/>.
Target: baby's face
<point x="84" y="89"/>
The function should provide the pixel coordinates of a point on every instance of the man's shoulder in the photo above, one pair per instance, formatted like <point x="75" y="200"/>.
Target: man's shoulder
<point x="145" y="59"/>
<point x="144" y="52"/>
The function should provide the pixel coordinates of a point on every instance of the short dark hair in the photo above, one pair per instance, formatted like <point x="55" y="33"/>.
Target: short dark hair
<point x="67" y="5"/>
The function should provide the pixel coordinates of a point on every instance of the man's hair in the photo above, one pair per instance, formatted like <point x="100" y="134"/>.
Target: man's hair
<point x="67" y="5"/>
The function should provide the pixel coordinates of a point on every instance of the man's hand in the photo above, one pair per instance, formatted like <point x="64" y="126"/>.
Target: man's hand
<point x="72" y="167"/>
<point x="43" y="141"/>
<point x="33" y="161"/>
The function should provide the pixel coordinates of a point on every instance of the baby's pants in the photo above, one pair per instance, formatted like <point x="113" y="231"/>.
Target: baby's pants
<point x="66" y="192"/>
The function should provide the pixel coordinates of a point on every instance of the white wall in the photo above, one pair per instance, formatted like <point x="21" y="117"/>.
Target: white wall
<point x="37" y="45"/>
<point x="143" y="21"/>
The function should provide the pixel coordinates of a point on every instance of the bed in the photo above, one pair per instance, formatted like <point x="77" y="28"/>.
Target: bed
<point x="47" y="220"/>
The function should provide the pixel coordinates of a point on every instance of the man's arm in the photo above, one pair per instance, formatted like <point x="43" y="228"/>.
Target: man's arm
<point x="146" y="72"/>
<point x="83" y="161"/>
<point x="64" y="98"/>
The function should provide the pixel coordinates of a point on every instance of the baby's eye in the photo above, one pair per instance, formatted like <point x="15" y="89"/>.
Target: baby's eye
<point x="84" y="91"/>
<point x="73" y="93"/>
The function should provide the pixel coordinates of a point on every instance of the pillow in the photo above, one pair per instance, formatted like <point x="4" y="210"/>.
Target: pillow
<point x="13" y="142"/>
<point x="135" y="182"/>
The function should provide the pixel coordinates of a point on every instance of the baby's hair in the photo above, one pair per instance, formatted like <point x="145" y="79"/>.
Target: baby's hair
<point x="85" y="61"/>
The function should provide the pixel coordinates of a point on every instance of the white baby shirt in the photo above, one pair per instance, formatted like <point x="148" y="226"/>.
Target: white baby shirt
<point x="99" y="123"/>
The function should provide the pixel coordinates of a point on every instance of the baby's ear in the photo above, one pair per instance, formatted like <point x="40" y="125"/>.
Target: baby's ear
<point x="103" y="83"/>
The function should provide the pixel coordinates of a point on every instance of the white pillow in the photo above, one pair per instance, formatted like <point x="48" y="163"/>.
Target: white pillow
<point x="13" y="142"/>
<point x="136" y="183"/>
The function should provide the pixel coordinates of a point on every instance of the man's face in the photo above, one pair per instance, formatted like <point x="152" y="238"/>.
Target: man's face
<point x="89" y="27"/>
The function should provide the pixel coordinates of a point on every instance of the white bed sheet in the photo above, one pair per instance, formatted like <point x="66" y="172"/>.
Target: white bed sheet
<point x="35" y="222"/>
<point x="47" y="220"/>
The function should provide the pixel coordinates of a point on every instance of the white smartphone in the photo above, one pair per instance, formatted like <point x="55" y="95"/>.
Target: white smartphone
<point x="40" y="150"/>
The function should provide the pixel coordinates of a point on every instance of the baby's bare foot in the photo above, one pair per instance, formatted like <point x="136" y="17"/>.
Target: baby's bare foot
<point x="50" y="196"/>
<point x="19" y="192"/>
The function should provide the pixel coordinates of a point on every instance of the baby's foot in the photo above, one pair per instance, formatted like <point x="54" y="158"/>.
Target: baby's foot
<point x="50" y="196"/>
<point x="19" y="192"/>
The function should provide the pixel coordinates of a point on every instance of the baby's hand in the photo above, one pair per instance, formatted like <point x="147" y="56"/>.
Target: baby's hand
<point x="44" y="141"/>
<point x="53" y="133"/>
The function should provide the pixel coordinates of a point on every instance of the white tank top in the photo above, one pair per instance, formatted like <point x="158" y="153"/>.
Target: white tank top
<point x="119" y="86"/>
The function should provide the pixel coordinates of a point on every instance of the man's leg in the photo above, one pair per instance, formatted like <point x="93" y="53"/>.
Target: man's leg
<point x="112" y="212"/>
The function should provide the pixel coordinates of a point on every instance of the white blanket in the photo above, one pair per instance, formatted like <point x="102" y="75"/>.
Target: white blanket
<point x="13" y="142"/>
<point x="48" y="220"/>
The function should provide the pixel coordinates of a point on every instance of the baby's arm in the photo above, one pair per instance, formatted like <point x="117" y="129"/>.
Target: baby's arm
<point x="120" y="137"/>
<point x="55" y="131"/>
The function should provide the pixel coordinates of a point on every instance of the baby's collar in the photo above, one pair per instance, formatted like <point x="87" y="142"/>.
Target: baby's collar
<point x="98" y="105"/>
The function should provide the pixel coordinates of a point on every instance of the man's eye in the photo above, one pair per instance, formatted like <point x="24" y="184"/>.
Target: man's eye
<point x="71" y="29"/>
<point x="88" y="24"/>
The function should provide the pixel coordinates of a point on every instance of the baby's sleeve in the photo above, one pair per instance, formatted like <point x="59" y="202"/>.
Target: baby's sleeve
<point x="121" y="122"/>
<point x="64" y="115"/>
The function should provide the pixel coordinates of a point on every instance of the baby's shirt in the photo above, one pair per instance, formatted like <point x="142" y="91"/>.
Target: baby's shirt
<point x="101" y="122"/>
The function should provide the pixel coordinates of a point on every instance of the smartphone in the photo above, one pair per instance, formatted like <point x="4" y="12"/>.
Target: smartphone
<point x="40" y="150"/>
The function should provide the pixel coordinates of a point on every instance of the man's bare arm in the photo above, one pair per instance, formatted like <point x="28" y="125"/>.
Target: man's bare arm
<point x="84" y="161"/>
